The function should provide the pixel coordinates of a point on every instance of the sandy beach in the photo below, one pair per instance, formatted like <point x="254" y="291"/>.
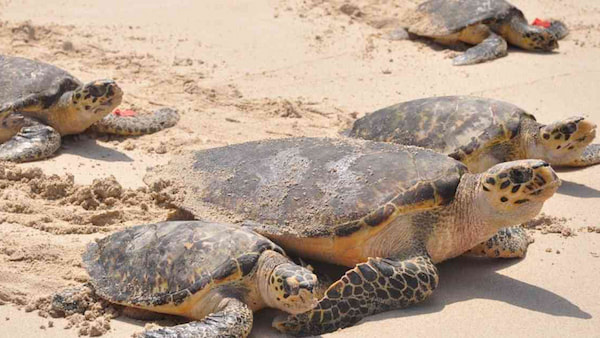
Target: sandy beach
<point x="248" y="70"/>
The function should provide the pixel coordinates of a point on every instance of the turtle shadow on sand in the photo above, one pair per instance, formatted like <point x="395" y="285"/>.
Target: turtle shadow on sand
<point x="577" y="190"/>
<point x="158" y="319"/>
<point x="466" y="278"/>
<point x="462" y="47"/>
<point x="517" y="50"/>
<point x="427" y="42"/>
<point x="89" y="148"/>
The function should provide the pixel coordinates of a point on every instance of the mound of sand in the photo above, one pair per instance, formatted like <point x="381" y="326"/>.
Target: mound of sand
<point x="40" y="214"/>
<point x="54" y="204"/>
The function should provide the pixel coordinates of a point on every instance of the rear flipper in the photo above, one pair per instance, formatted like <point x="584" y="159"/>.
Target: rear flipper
<point x="506" y="243"/>
<point x="372" y="287"/>
<point x="35" y="141"/>
<point x="590" y="156"/>
<point x="558" y="28"/>
<point x="72" y="300"/>
<point x="492" y="47"/>
<point x="234" y="319"/>
<point x="136" y="125"/>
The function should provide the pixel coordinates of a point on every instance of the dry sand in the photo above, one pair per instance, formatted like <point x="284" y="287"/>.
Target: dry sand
<point x="247" y="70"/>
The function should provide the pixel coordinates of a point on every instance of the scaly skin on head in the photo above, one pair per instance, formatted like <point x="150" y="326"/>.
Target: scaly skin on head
<point x="84" y="106"/>
<point x="507" y="194"/>
<point x="518" y="32"/>
<point x="517" y="190"/>
<point x="559" y="143"/>
<point x="284" y="285"/>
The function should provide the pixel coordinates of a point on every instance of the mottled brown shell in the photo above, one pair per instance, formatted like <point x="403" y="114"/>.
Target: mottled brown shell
<point x="165" y="263"/>
<point x="453" y="125"/>
<point x="444" y="17"/>
<point x="20" y="77"/>
<point x="312" y="187"/>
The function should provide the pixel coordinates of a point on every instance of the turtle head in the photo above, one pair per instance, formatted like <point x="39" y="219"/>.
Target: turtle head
<point x="292" y="288"/>
<point x="95" y="99"/>
<point x="563" y="141"/>
<point x="514" y="192"/>
<point x="538" y="38"/>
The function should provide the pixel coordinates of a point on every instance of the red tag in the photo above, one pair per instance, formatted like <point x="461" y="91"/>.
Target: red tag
<point x="126" y="112"/>
<point x="541" y="23"/>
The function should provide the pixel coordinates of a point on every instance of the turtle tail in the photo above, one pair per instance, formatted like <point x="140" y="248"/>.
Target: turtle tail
<point x="137" y="125"/>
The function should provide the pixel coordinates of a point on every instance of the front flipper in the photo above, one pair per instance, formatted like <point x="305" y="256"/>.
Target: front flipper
<point x="492" y="47"/>
<point x="136" y="125"/>
<point x="375" y="286"/>
<point x="234" y="319"/>
<point x="35" y="141"/>
<point x="590" y="156"/>
<point x="506" y="243"/>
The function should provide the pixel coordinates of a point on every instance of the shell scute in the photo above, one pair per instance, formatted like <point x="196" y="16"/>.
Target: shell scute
<point x="454" y="125"/>
<point x="444" y="17"/>
<point x="20" y="77"/>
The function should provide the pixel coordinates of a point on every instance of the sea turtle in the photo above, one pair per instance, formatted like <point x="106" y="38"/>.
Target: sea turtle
<point x="481" y="132"/>
<point x="215" y="274"/>
<point x="39" y="103"/>
<point x="487" y="24"/>
<point x="390" y="212"/>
